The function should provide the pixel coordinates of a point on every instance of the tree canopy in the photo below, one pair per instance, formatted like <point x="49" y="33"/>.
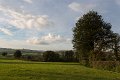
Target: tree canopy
<point x="90" y="33"/>
<point x="17" y="54"/>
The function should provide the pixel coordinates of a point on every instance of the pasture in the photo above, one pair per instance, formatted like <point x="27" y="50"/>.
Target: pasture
<point x="26" y="70"/>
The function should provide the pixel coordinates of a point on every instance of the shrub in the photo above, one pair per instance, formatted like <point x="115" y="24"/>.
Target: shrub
<point x="106" y="65"/>
<point x="17" y="54"/>
<point x="50" y="56"/>
<point x="69" y="56"/>
<point x="4" y="54"/>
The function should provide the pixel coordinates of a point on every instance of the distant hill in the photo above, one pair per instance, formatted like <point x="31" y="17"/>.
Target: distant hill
<point x="10" y="51"/>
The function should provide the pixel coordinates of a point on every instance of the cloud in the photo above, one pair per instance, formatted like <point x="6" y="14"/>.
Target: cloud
<point x="6" y="31"/>
<point x="16" y="44"/>
<point x="36" y="40"/>
<point x="81" y="7"/>
<point x="25" y="21"/>
<point x="28" y="1"/>
<point x="46" y="40"/>
<point x="20" y="44"/>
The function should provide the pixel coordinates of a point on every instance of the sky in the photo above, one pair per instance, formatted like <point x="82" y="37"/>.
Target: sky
<point x="47" y="24"/>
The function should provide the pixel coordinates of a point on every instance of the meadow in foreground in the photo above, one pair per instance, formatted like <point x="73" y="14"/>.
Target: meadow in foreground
<point x="25" y="70"/>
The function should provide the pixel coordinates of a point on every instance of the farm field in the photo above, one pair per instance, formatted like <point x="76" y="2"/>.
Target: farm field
<point x="26" y="70"/>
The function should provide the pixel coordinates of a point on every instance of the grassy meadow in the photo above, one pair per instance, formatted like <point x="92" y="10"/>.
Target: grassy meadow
<point x="26" y="70"/>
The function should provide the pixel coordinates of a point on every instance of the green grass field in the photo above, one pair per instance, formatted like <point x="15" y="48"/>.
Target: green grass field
<point x="25" y="70"/>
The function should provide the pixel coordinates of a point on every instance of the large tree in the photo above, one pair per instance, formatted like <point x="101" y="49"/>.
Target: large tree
<point x="90" y="33"/>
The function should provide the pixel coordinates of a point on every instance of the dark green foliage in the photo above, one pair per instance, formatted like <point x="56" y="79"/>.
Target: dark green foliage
<point x="17" y="54"/>
<point x="32" y="57"/>
<point x="4" y="54"/>
<point x="104" y="56"/>
<point x="115" y="45"/>
<point x="90" y="33"/>
<point x="50" y="56"/>
<point x="69" y="56"/>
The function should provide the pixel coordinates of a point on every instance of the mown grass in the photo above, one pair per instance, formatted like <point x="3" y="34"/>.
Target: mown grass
<point x="26" y="70"/>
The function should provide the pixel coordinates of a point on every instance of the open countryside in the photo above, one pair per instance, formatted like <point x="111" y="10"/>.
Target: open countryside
<point x="59" y="40"/>
<point x="26" y="70"/>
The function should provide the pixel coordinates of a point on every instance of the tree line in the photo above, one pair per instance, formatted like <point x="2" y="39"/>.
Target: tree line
<point x="46" y="56"/>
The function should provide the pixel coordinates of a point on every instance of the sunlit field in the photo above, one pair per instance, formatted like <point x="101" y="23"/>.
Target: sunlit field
<point x="25" y="70"/>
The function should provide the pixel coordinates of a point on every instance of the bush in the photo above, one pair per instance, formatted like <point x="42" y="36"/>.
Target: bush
<point x="4" y="54"/>
<point x="34" y="58"/>
<point x="51" y="56"/>
<point x="106" y="65"/>
<point x="69" y="56"/>
<point x="17" y="54"/>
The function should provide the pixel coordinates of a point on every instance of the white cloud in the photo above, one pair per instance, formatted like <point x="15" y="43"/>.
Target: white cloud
<point x="48" y="39"/>
<point x="74" y="6"/>
<point x="81" y="7"/>
<point x="20" y="44"/>
<point x="17" y="44"/>
<point x="26" y="21"/>
<point x="28" y="1"/>
<point x="6" y="31"/>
